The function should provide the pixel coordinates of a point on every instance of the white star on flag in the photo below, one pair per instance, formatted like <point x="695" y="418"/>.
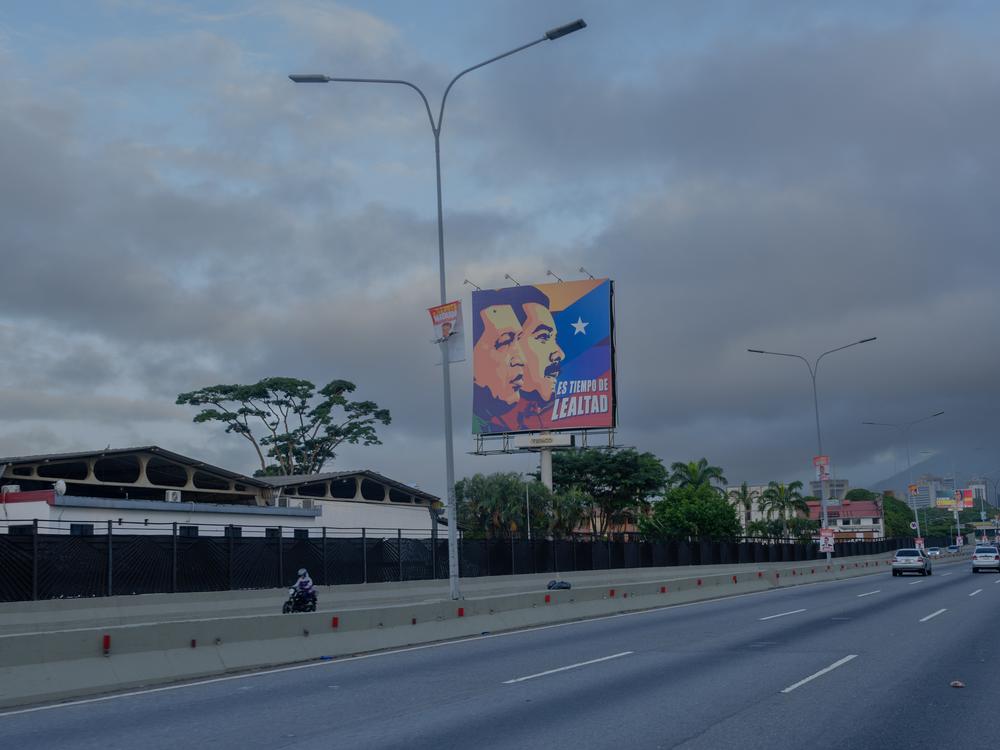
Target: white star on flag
<point x="579" y="326"/>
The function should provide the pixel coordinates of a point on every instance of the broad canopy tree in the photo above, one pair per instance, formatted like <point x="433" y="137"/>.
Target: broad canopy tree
<point x="618" y="482"/>
<point x="692" y="511"/>
<point x="300" y="427"/>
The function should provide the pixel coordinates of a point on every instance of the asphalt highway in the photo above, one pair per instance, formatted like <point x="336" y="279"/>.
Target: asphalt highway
<point x="860" y="663"/>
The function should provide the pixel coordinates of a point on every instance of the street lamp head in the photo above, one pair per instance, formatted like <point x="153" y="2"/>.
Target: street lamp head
<point x="567" y="29"/>
<point x="756" y="351"/>
<point x="309" y="78"/>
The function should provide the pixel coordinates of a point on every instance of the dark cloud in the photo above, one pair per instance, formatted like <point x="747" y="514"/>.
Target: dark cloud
<point x="792" y="186"/>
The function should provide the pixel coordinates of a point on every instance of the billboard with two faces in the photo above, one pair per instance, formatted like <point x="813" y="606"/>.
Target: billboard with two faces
<point x="543" y="357"/>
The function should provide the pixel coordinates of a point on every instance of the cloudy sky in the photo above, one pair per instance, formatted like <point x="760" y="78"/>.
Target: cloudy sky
<point x="793" y="176"/>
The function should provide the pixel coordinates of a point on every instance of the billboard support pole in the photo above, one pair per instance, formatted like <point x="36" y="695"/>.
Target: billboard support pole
<point x="546" y="467"/>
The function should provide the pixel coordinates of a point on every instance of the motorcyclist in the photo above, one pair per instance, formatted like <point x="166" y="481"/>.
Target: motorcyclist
<point x="304" y="585"/>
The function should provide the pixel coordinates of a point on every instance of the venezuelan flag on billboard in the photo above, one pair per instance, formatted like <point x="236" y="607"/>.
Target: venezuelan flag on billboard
<point x="543" y="357"/>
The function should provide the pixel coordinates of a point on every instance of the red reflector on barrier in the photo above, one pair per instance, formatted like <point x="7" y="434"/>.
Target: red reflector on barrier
<point x="413" y="621"/>
<point x="548" y="598"/>
<point x="663" y="589"/>
<point x="699" y="582"/>
<point x="813" y="571"/>
<point x="734" y="579"/>
<point x="611" y="593"/>
<point x="793" y="571"/>
<point x="335" y="622"/>
<point x="194" y="643"/>
<point x="760" y="574"/>
<point x="106" y="644"/>
<point x="461" y="611"/>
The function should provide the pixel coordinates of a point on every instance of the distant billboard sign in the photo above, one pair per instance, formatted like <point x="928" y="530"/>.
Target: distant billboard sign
<point x="543" y="357"/>
<point x="944" y="501"/>
<point x="964" y="499"/>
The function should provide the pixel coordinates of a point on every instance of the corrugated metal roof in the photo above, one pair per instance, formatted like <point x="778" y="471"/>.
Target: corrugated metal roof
<point x="264" y="482"/>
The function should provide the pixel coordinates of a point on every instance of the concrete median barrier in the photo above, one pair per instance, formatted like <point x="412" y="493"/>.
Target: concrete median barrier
<point x="60" y="664"/>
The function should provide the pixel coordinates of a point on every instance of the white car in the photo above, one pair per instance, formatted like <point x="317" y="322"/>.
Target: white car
<point x="911" y="560"/>
<point x="985" y="557"/>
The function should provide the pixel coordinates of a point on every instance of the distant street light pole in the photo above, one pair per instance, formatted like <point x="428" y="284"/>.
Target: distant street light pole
<point x="813" y="369"/>
<point x="551" y="35"/>
<point x="904" y="428"/>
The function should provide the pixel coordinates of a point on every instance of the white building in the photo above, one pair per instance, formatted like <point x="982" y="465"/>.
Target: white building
<point x="152" y="490"/>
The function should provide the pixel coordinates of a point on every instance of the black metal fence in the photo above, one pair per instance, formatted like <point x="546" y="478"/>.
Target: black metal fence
<point x="39" y="565"/>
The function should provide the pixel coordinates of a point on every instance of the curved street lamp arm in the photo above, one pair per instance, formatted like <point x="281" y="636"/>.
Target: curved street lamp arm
<point x="783" y="354"/>
<point x="413" y="86"/>
<point x="845" y="346"/>
<point x="477" y="66"/>
<point x="923" y="419"/>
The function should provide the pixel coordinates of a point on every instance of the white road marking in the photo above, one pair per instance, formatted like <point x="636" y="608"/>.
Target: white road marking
<point x="563" y="669"/>
<point x="945" y="574"/>
<point x="821" y="672"/>
<point x="771" y="617"/>
<point x="869" y="593"/>
<point x="919" y="580"/>
<point x="975" y="592"/>
<point x="997" y="580"/>
<point x="932" y="614"/>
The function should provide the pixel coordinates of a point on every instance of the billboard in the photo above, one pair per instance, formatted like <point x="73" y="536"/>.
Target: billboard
<point x="543" y="357"/>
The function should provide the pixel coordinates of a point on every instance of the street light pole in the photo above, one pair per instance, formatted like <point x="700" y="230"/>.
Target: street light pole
<point x="813" y="370"/>
<point x="904" y="428"/>
<point x="452" y="514"/>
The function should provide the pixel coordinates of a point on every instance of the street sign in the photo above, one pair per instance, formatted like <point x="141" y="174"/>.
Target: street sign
<point x="913" y="525"/>
<point x="826" y="540"/>
<point x="822" y="464"/>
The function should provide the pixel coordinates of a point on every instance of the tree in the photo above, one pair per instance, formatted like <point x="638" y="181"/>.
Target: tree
<point x="695" y="473"/>
<point x="860" y="494"/>
<point x="619" y="483"/>
<point x="569" y="509"/>
<point x="783" y="500"/>
<point x="744" y="498"/>
<point x="302" y="427"/>
<point x="692" y="512"/>
<point x="494" y="506"/>
<point x="897" y="516"/>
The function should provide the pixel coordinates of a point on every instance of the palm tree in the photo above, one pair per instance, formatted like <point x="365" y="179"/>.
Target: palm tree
<point x="744" y="497"/>
<point x="695" y="473"/>
<point x="783" y="500"/>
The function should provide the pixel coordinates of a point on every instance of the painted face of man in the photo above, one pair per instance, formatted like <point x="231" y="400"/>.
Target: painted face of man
<point x="542" y="355"/>
<point x="497" y="361"/>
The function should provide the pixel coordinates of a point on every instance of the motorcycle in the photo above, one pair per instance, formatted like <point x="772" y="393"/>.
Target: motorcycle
<point x="299" y="601"/>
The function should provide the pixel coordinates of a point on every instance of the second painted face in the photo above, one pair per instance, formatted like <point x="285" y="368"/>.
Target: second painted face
<point x="542" y="355"/>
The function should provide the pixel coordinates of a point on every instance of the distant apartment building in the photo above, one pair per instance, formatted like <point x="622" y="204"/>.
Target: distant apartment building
<point x="978" y="487"/>
<point x="747" y="517"/>
<point x="929" y="488"/>
<point x="835" y="489"/>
